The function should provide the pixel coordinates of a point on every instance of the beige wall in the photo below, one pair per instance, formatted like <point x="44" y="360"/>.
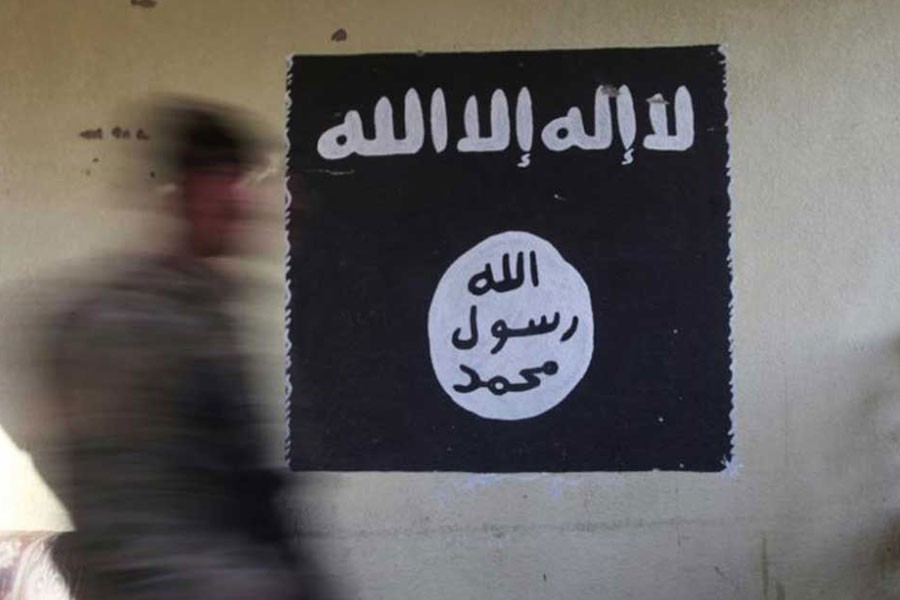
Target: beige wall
<point x="815" y="135"/>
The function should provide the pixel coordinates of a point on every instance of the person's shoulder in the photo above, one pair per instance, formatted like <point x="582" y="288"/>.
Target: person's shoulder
<point x="137" y="293"/>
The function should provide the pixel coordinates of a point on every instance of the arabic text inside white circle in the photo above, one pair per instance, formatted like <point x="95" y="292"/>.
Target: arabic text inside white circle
<point x="511" y="328"/>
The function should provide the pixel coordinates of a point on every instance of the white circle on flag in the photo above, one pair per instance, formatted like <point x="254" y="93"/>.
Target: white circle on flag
<point x="510" y="328"/>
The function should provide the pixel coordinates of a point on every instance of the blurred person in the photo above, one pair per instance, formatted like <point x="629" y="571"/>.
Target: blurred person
<point x="156" y="458"/>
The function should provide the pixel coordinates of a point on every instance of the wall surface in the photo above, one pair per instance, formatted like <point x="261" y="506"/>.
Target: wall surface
<point x="808" y="511"/>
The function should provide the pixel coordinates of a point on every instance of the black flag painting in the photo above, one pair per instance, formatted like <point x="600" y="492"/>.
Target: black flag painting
<point x="509" y="261"/>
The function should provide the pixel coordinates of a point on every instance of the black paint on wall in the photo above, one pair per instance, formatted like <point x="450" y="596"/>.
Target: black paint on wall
<point x="370" y="237"/>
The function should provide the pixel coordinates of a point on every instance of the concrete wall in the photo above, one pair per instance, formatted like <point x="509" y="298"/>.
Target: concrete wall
<point x="815" y="135"/>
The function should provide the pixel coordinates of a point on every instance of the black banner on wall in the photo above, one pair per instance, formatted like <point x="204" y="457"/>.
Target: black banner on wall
<point x="507" y="262"/>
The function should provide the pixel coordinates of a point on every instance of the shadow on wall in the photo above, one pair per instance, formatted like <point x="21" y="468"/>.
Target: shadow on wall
<point x="863" y="457"/>
<point x="885" y="414"/>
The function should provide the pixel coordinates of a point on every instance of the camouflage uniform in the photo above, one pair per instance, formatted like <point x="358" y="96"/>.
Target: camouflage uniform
<point x="158" y="465"/>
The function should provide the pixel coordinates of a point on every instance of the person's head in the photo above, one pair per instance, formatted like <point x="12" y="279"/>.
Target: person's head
<point x="210" y="156"/>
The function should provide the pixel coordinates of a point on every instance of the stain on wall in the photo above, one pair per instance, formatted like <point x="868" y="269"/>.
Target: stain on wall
<point x="92" y="134"/>
<point x="117" y="132"/>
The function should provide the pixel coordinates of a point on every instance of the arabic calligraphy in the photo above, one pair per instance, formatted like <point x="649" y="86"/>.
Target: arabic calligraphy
<point x="510" y="327"/>
<point x="500" y="385"/>
<point x="594" y="132"/>
<point x="484" y="282"/>
<point x="503" y="332"/>
<point x="343" y="140"/>
<point x="470" y="343"/>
